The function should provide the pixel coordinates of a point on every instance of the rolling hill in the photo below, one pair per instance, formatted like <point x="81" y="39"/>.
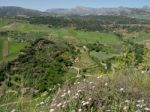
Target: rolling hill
<point x="79" y="10"/>
<point x="101" y="11"/>
<point x="18" y="11"/>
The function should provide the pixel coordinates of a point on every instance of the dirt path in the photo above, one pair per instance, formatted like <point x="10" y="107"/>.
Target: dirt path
<point x="13" y="25"/>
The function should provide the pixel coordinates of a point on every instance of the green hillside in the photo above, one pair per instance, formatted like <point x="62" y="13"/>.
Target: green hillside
<point x="84" y="66"/>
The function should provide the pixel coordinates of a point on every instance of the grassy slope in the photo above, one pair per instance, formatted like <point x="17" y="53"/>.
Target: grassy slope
<point x="14" y="49"/>
<point x="36" y="31"/>
<point x="68" y="34"/>
<point x="85" y="37"/>
<point x="81" y="36"/>
<point x="142" y="38"/>
<point x="102" y="55"/>
<point x="145" y="17"/>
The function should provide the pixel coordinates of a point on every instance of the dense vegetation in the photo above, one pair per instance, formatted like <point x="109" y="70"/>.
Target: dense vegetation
<point x="74" y="64"/>
<point x="46" y="71"/>
<point x="90" y="23"/>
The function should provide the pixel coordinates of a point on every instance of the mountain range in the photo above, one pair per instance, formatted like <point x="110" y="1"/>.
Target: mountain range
<point x="18" y="11"/>
<point x="101" y="11"/>
<point x="79" y="10"/>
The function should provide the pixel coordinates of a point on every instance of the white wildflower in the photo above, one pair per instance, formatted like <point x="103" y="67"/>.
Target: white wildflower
<point x="63" y="95"/>
<point x="42" y="103"/>
<point x="51" y="110"/>
<point x="59" y="105"/>
<point x="138" y="105"/>
<point x="140" y="101"/>
<point x="75" y="83"/>
<point x="78" y="82"/>
<point x="90" y="99"/>
<point x="13" y="110"/>
<point x="79" y="110"/>
<point x="69" y="91"/>
<point x="79" y="91"/>
<point x="91" y="82"/>
<point x="127" y="101"/>
<point x="63" y="106"/>
<point x="77" y="94"/>
<point x="106" y="84"/>
<point x="147" y="109"/>
<point x="65" y="102"/>
<point x="121" y="89"/>
<point x="83" y="102"/>
<point x="86" y="103"/>
<point x="142" y="72"/>
<point x="125" y="108"/>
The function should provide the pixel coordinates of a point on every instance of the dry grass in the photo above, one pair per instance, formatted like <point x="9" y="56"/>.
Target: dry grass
<point x="120" y="92"/>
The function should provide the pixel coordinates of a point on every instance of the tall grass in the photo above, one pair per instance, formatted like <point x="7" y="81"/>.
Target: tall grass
<point x="125" y="91"/>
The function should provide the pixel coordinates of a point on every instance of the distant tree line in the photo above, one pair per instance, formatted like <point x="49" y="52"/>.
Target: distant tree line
<point x="90" y="23"/>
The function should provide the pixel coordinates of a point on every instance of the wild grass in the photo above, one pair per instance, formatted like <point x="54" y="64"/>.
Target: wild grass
<point x="101" y="56"/>
<point x="142" y="38"/>
<point x="14" y="49"/>
<point x="85" y="37"/>
<point x="125" y="91"/>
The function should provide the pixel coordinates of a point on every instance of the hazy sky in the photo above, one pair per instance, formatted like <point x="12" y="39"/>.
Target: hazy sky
<point x="47" y="4"/>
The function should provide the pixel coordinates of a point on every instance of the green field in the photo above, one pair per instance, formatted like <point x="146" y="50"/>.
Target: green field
<point x="145" y="17"/>
<point x="142" y="38"/>
<point x="81" y="36"/>
<point x="30" y="32"/>
<point x="55" y="61"/>
<point x="102" y="56"/>
<point x="85" y="37"/>
<point x="69" y="34"/>
<point x="14" y="49"/>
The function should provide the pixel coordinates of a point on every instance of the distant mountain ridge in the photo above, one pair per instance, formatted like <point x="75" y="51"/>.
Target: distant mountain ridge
<point x="79" y="10"/>
<point x="18" y="11"/>
<point x="101" y="11"/>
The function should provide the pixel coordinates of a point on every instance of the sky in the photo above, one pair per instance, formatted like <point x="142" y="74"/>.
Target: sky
<point x="48" y="4"/>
